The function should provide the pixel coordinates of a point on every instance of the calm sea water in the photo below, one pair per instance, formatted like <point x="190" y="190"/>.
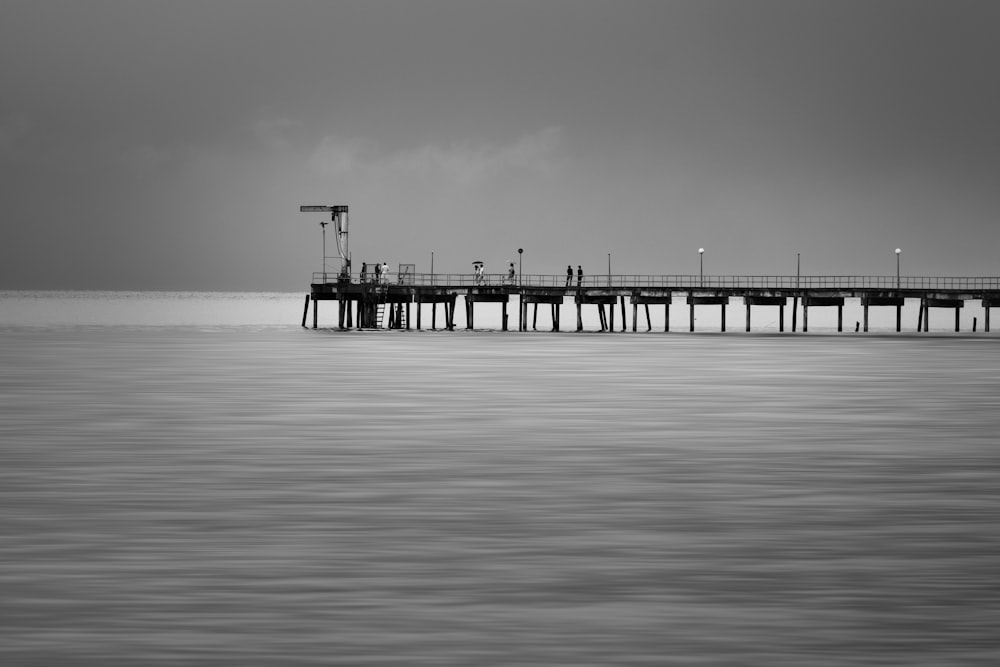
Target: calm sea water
<point x="194" y="479"/>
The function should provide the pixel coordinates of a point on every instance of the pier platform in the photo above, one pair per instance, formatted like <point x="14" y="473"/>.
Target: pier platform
<point x="391" y="304"/>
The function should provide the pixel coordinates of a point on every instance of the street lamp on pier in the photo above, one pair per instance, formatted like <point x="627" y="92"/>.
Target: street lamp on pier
<point x="898" y="252"/>
<point x="520" y="254"/>
<point x="323" y="225"/>
<point x="701" y="267"/>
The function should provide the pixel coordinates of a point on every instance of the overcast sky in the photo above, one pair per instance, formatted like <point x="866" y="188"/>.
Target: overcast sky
<point x="168" y="145"/>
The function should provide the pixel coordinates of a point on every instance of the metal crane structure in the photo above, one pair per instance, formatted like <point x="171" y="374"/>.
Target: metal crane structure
<point x="341" y="222"/>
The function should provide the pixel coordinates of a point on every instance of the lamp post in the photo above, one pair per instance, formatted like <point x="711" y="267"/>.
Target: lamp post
<point x="701" y="267"/>
<point x="520" y="253"/>
<point x="432" y="267"/>
<point x="795" y="299"/>
<point x="898" y="252"/>
<point x="323" y="226"/>
<point x="609" y="269"/>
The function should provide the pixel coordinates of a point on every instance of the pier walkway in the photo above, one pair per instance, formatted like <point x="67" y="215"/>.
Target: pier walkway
<point x="388" y="304"/>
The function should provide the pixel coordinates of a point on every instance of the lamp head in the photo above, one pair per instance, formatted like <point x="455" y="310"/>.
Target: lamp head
<point x="701" y="251"/>
<point x="898" y="250"/>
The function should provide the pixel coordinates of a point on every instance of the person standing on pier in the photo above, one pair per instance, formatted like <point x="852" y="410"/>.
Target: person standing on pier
<point x="378" y="273"/>
<point x="385" y="272"/>
<point x="364" y="272"/>
<point x="511" y="273"/>
<point x="569" y="275"/>
<point x="579" y="275"/>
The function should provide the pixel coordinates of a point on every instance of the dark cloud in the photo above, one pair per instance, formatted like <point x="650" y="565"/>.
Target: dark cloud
<point x="169" y="144"/>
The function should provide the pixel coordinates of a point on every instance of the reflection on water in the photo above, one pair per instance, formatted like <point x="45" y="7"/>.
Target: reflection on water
<point x="280" y="496"/>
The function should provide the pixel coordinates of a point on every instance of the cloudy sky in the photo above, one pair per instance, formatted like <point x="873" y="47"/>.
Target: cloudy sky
<point x="169" y="144"/>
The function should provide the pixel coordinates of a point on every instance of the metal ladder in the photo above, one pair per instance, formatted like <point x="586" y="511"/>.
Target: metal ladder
<point x="381" y="292"/>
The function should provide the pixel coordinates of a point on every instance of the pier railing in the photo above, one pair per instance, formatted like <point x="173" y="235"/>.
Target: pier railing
<point x="984" y="283"/>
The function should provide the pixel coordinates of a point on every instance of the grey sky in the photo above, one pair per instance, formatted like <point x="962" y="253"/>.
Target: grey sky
<point x="168" y="145"/>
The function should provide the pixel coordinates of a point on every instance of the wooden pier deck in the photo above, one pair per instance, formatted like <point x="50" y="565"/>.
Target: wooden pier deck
<point x="391" y="304"/>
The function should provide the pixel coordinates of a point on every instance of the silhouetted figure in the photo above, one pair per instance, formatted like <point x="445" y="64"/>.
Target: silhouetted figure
<point x="569" y="275"/>
<point x="364" y="271"/>
<point x="511" y="273"/>
<point x="378" y="273"/>
<point x="579" y="275"/>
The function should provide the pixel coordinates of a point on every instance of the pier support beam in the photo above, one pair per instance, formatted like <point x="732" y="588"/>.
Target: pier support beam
<point x="596" y="297"/>
<point x="722" y="301"/>
<point x="476" y="295"/>
<point x="932" y="302"/>
<point x="810" y="300"/>
<point x="305" y="312"/>
<point x="779" y="301"/>
<point x="882" y="300"/>
<point x="989" y="301"/>
<point x="645" y="298"/>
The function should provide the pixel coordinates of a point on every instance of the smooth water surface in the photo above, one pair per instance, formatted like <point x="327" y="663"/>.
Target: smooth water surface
<point x="257" y="495"/>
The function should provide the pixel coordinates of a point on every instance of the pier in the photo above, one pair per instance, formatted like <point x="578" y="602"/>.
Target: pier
<point x="392" y="301"/>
